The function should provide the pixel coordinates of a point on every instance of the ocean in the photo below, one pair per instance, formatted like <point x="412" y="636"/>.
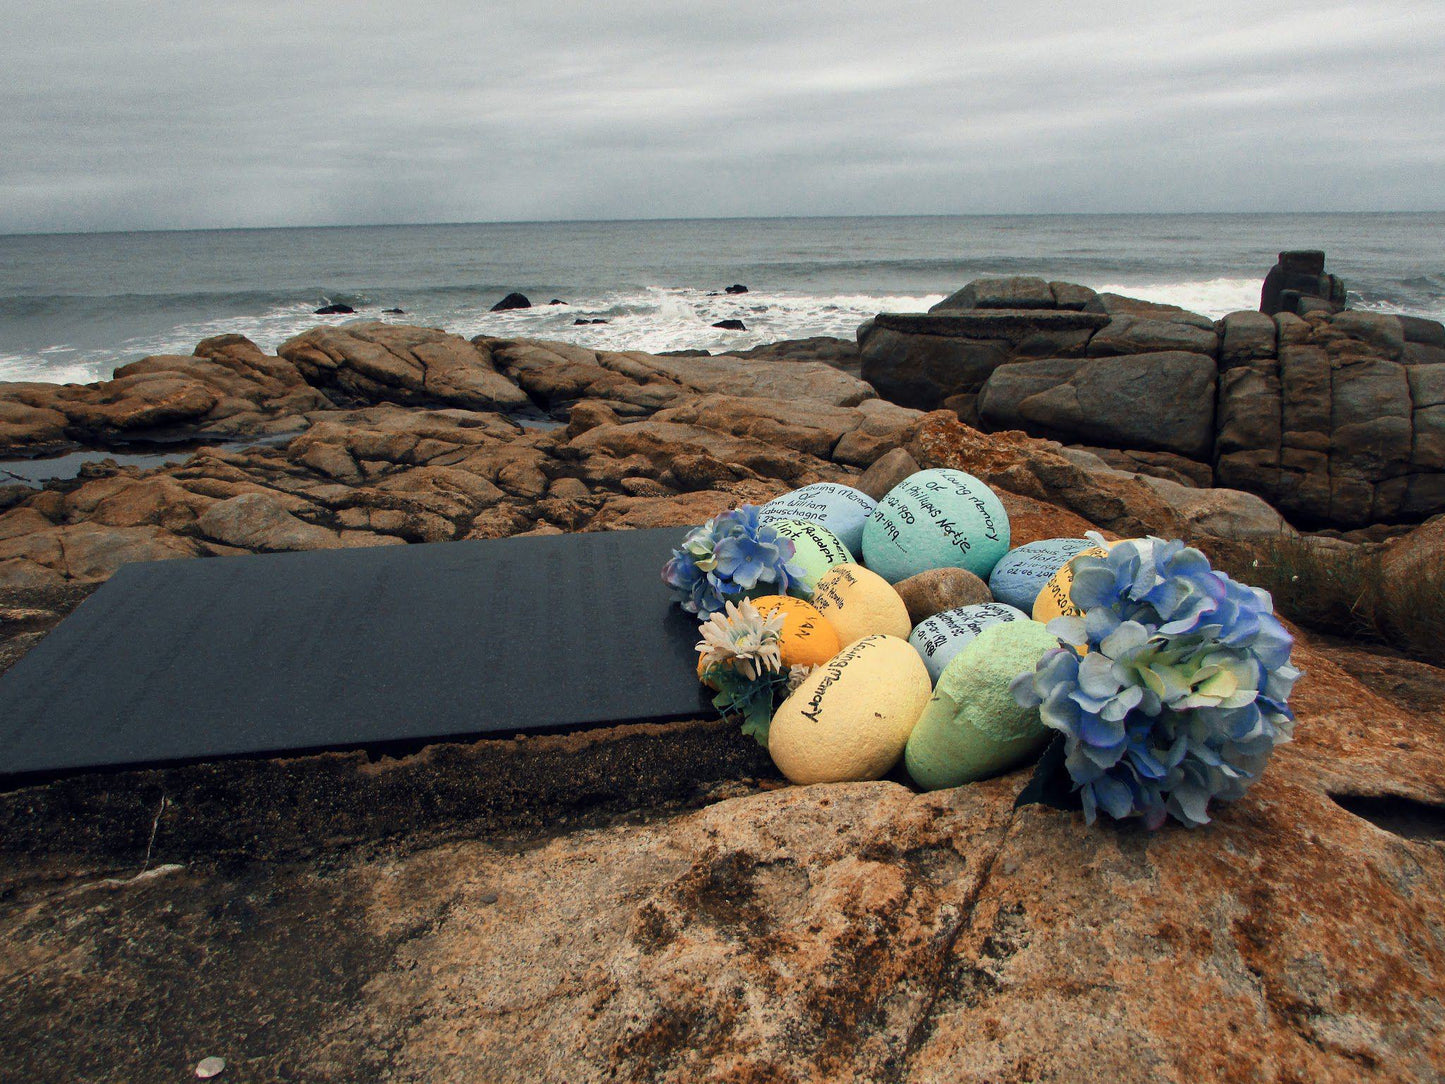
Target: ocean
<point x="74" y="306"/>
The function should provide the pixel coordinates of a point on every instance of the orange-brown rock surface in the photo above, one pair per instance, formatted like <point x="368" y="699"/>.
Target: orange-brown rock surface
<point x="851" y="932"/>
<point x="650" y="902"/>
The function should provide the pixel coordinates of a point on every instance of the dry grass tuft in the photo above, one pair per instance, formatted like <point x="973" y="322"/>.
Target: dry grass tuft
<point x="1346" y="592"/>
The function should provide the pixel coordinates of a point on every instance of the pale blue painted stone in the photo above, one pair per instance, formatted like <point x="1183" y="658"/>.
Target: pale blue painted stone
<point x="939" y="518"/>
<point x="1021" y="574"/>
<point x="940" y="637"/>
<point x="973" y="727"/>
<point x="842" y="509"/>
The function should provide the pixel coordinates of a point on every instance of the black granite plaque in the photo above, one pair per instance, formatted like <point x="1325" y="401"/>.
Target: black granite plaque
<point x="190" y="660"/>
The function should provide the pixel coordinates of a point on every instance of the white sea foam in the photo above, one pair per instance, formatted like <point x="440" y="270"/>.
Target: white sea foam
<point x="1209" y="297"/>
<point x="653" y="320"/>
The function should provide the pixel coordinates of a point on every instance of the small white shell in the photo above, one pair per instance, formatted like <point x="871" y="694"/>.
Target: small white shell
<point x="209" y="1067"/>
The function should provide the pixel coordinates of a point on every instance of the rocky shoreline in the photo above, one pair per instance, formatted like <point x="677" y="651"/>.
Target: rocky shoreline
<point x="648" y="903"/>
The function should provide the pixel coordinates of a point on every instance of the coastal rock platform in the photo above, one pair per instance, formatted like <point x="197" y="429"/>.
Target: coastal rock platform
<point x="650" y="902"/>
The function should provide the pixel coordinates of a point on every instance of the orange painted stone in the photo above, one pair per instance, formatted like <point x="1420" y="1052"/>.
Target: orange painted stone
<point x="807" y="638"/>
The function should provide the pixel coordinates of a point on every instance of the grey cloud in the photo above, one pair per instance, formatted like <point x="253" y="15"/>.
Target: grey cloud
<point x="139" y="115"/>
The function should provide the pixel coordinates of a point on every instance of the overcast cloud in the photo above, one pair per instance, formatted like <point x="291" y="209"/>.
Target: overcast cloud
<point x="135" y="115"/>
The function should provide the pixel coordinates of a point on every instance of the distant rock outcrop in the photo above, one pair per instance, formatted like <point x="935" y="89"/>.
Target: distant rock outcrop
<point x="1298" y="284"/>
<point x="1336" y="418"/>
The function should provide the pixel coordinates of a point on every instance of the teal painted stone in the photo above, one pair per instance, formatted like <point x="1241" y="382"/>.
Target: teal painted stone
<point x="973" y="727"/>
<point x="842" y="509"/>
<point x="817" y="548"/>
<point x="940" y="637"/>
<point x="939" y="518"/>
<point x="1021" y="574"/>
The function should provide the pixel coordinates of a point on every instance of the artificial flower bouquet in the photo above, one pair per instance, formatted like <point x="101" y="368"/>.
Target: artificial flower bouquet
<point x="1153" y="685"/>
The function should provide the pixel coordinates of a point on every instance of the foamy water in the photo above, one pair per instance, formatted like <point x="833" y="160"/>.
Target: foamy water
<point x="74" y="307"/>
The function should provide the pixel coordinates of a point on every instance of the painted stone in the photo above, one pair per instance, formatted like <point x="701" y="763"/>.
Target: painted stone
<point x="817" y="549"/>
<point x="858" y="603"/>
<point x="850" y="719"/>
<point x="941" y="637"/>
<point x="1053" y="600"/>
<point x="841" y="509"/>
<point x="972" y="727"/>
<point x="939" y="518"/>
<point x="807" y="638"/>
<point x="1021" y="574"/>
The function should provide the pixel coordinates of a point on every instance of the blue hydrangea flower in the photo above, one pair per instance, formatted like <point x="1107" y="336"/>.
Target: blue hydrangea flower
<point x="1183" y="692"/>
<point x="732" y="555"/>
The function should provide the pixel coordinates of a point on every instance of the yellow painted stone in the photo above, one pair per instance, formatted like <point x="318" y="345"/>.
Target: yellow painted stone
<point x="1053" y="600"/>
<point x="850" y="719"/>
<point x="860" y="603"/>
<point x="806" y="640"/>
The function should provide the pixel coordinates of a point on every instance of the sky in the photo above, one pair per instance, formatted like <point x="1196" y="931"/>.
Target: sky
<point x="163" y="114"/>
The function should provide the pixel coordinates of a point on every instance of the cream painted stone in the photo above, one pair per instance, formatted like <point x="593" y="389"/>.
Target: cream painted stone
<point x="858" y="603"/>
<point x="850" y="720"/>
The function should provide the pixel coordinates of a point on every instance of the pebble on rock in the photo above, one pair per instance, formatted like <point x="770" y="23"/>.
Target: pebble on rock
<point x="816" y="549"/>
<point x="886" y="472"/>
<point x="207" y="1068"/>
<point x="858" y="603"/>
<point x="841" y="509"/>
<point x="940" y="518"/>
<point x="941" y="637"/>
<point x="940" y="589"/>
<point x="851" y="718"/>
<point x="972" y="727"/>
